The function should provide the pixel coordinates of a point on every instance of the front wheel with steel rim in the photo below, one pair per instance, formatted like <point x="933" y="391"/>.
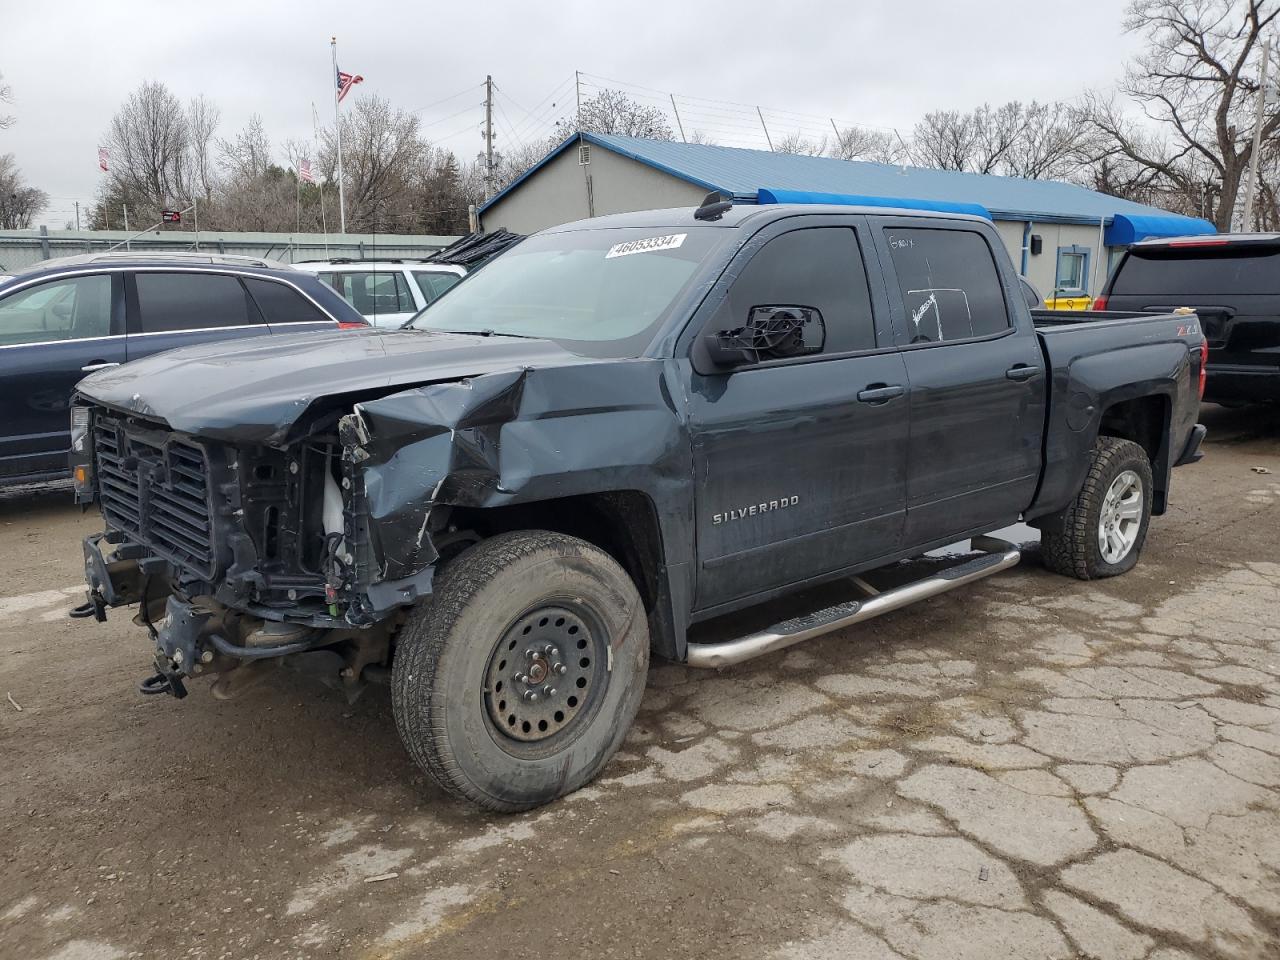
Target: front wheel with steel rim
<point x="517" y="681"/>
<point x="1101" y="532"/>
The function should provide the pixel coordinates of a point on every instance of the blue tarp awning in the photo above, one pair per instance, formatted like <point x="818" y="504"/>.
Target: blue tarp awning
<point x="849" y="200"/>
<point x="1127" y="228"/>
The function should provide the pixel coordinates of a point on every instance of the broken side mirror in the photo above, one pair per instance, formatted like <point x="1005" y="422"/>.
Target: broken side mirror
<point x="776" y="332"/>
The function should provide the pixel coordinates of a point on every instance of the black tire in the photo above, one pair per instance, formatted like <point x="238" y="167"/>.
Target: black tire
<point x="1075" y="551"/>
<point x="444" y="694"/>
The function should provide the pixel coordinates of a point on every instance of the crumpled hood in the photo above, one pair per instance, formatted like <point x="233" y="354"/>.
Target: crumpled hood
<point x="255" y="390"/>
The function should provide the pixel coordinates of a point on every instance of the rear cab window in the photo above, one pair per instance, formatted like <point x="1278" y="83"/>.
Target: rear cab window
<point x="170" y="302"/>
<point x="949" y="285"/>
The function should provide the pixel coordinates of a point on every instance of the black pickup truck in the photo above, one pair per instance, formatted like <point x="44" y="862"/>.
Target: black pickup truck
<point x="1232" y="281"/>
<point x="613" y="431"/>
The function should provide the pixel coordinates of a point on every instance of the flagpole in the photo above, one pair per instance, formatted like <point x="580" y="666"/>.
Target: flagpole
<point x="337" y="121"/>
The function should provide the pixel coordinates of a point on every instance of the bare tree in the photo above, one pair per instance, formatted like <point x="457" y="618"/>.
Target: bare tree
<point x="248" y="156"/>
<point x="7" y="120"/>
<point x="798" y="143"/>
<point x="1198" y="79"/>
<point x="149" y="139"/>
<point x="381" y="154"/>
<point x="20" y="204"/>
<point x="945" y="140"/>
<point x="202" y="120"/>
<point x="612" y="111"/>
<point x="859" y="143"/>
<point x="1052" y="143"/>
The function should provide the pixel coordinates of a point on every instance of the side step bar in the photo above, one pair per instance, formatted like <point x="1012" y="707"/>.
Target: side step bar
<point x="997" y="555"/>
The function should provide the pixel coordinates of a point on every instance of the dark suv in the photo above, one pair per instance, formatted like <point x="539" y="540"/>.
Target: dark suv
<point x="1233" y="283"/>
<point x="63" y="319"/>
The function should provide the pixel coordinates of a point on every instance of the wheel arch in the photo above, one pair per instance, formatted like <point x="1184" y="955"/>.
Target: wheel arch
<point x="1146" y="421"/>
<point x="623" y="523"/>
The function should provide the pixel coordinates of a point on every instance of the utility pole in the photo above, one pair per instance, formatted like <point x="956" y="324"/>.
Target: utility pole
<point x="77" y="216"/>
<point x="577" y="88"/>
<point x="125" y="208"/>
<point x="1257" y="139"/>
<point x="677" y="113"/>
<point x="767" y="139"/>
<point x="488" y="137"/>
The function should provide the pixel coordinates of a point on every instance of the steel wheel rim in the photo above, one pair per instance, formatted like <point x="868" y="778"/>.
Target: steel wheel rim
<point x="545" y="677"/>
<point x="1121" y="518"/>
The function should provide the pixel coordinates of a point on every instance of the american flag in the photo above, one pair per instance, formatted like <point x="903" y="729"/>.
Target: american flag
<point x="346" y="81"/>
<point x="102" y="159"/>
<point x="304" y="171"/>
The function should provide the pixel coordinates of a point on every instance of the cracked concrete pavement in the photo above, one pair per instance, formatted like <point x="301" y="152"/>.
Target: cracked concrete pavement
<point x="1033" y="767"/>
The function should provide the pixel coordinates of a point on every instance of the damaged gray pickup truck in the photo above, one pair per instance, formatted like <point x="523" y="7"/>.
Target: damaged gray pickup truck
<point x="615" y="431"/>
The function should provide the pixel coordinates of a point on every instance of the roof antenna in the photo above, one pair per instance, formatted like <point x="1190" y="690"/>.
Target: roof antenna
<point x="714" y="206"/>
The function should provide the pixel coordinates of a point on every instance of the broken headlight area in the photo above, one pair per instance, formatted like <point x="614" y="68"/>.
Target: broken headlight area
<point x="233" y="555"/>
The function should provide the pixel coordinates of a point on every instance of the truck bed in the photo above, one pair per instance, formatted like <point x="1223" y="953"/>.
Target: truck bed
<point x="1048" y="320"/>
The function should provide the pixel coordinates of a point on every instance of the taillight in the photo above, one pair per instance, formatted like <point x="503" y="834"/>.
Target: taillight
<point x="1204" y="365"/>
<point x="352" y="325"/>
<point x="1100" y="303"/>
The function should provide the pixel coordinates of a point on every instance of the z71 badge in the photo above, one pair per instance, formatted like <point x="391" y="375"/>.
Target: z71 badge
<point x="755" y="509"/>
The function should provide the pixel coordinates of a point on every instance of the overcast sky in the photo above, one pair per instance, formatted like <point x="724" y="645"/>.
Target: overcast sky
<point x="71" y="64"/>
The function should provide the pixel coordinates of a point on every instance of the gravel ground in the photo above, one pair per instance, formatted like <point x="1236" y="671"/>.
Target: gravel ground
<point x="1033" y="767"/>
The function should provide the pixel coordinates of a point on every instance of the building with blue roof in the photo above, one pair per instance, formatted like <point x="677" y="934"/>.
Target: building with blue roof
<point x="1061" y="236"/>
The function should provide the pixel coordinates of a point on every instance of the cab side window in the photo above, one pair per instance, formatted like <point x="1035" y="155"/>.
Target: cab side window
<point x="72" y="309"/>
<point x="818" y="267"/>
<point x="949" y="284"/>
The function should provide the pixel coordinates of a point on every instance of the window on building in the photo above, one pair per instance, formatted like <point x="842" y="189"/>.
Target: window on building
<point x="819" y="267"/>
<point x="949" y="284"/>
<point x="1073" y="271"/>
<point x="190" y="301"/>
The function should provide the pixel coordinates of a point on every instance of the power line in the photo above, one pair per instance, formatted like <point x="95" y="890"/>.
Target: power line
<point x="452" y="96"/>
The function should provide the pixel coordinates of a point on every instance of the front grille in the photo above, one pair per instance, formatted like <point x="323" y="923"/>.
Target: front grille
<point x="154" y="486"/>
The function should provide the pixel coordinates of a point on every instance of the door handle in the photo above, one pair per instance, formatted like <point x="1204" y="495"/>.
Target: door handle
<point x="97" y="365"/>
<point x="880" y="393"/>
<point x="1022" y="371"/>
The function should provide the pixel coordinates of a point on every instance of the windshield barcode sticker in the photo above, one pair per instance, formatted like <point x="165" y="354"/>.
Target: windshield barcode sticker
<point x="647" y="245"/>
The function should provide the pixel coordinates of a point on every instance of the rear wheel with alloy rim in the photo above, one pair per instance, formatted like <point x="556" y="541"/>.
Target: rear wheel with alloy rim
<point x="1101" y="532"/>
<point x="518" y="679"/>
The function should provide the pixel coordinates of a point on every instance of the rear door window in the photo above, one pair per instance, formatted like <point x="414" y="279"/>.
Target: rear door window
<point x="1200" y="272"/>
<point x="949" y="284"/>
<point x="75" y="308"/>
<point x="432" y="284"/>
<point x="170" y="302"/>
<point x="373" y="292"/>
<point x="280" y="303"/>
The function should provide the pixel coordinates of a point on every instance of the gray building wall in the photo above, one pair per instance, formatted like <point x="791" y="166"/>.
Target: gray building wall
<point x="558" y="193"/>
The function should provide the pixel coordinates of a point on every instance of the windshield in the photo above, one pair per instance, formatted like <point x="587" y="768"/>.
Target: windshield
<point x="599" y="293"/>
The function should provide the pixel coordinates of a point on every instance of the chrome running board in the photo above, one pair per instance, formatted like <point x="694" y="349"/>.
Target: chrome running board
<point x="997" y="555"/>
